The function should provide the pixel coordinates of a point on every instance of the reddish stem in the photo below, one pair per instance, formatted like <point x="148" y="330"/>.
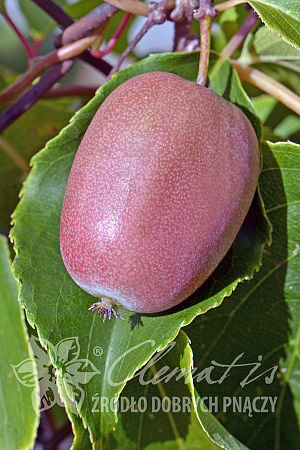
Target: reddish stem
<point x="36" y="46"/>
<point x="237" y="40"/>
<point x="113" y="41"/>
<point x="22" y="38"/>
<point x="157" y="16"/>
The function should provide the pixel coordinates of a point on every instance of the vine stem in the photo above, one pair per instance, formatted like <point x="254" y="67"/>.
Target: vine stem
<point x="113" y="41"/>
<point x="41" y="64"/>
<point x="29" y="98"/>
<point x="146" y="27"/>
<point x="239" y="37"/>
<point x="141" y="9"/>
<point x="14" y="155"/>
<point x="27" y="47"/>
<point x="226" y="5"/>
<point x="36" y="46"/>
<point x="71" y="91"/>
<point x="132" y="6"/>
<point x="236" y="40"/>
<point x="92" y="22"/>
<point x="55" y="11"/>
<point x="157" y="16"/>
<point x="65" y="21"/>
<point x="268" y="85"/>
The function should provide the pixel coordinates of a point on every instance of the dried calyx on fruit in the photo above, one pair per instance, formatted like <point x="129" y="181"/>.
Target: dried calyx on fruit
<point x="159" y="188"/>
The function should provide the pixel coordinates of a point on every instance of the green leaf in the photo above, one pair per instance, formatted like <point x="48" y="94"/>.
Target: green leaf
<point x="38" y="20"/>
<point x="162" y="397"/>
<point x="262" y="317"/>
<point x="279" y="123"/>
<point x="268" y="43"/>
<point x="287" y="158"/>
<point x="2" y="7"/>
<point x="289" y="126"/>
<point x="231" y="20"/>
<point x="281" y="16"/>
<point x="19" y="397"/>
<point x="267" y="46"/>
<point x="264" y="105"/>
<point x="27" y="135"/>
<point x="81" y="8"/>
<point x="54" y="303"/>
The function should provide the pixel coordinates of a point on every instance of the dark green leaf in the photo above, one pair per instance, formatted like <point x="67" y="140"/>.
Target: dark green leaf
<point x="262" y="317"/>
<point x="19" y="397"/>
<point x="162" y="397"/>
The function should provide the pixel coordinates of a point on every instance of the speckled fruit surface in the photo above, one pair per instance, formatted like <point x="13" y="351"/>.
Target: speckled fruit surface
<point x="159" y="188"/>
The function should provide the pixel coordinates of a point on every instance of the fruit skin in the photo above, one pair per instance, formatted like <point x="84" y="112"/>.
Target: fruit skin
<point x="159" y="188"/>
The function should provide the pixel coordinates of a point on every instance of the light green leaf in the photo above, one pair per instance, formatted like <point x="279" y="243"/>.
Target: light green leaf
<point x="59" y="308"/>
<point x="19" y="399"/>
<point x="267" y="46"/>
<point x="262" y="317"/>
<point x="38" y="20"/>
<point x="279" y="124"/>
<point x="80" y="8"/>
<point x="268" y="43"/>
<point x="289" y="126"/>
<point x="231" y="20"/>
<point x="282" y="16"/>
<point x="264" y="105"/>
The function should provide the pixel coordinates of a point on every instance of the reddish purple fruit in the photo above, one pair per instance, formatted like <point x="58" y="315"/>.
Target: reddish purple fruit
<point x="161" y="183"/>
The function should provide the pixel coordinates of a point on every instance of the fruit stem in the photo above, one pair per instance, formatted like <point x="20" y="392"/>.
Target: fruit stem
<point x="204" y="15"/>
<point x="268" y="85"/>
<point x="205" y="29"/>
